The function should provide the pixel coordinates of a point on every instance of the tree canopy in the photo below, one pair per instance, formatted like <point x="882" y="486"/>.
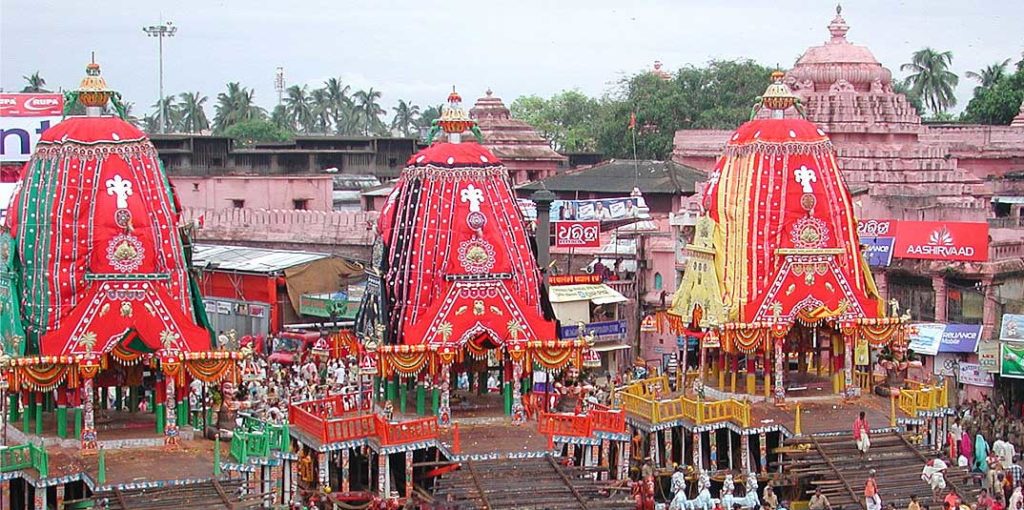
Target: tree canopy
<point x="999" y="102"/>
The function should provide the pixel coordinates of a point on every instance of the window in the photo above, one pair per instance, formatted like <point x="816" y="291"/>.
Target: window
<point x="392" y="162"/>
<point x="965" y="303"/>
<point x="914" y="294"/>
<point x="300" y="204"/>
<point x="195" y="186"/>
<point x="237" y="203"/>
<point x="658" y="283"/>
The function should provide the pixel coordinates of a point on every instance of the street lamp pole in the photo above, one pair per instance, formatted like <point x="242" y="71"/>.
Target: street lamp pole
<point x="160" y="31"/>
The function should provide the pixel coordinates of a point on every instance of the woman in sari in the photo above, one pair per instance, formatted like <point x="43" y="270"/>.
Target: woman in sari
<point x="980" y="454"/>
<point x="966" y="449"/>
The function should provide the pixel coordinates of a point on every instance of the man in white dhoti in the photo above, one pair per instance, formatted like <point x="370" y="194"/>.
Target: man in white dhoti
<point x="933" y="474"/>
<point x="1005" y="451"/>
<point x="871" y="498"/>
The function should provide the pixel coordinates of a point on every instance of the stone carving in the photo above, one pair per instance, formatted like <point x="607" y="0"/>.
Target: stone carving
<point x="841" y="86"/>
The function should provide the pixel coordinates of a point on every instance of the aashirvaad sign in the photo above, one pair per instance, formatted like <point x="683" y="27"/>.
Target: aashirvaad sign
<point x="23" y="119"/>
<point x="942" y="240"/>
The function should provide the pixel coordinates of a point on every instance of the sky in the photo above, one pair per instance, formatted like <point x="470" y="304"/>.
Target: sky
<point x="417" y="49"/>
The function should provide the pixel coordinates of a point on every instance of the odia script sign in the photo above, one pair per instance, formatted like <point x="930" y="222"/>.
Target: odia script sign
<point x="578" y="234"/>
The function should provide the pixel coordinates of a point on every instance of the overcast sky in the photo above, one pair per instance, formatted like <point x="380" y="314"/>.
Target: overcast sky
<point x="417" y="49"/>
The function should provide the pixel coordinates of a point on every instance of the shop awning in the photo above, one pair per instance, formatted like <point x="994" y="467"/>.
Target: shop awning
<point x="609" y="346"/>
<point x="1008" y="200"/>
<point x="599" y="294"/>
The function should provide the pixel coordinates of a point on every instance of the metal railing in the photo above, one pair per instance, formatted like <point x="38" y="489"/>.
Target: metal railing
<point x="923" y="397"/>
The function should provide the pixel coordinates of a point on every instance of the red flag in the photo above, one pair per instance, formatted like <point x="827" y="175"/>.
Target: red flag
<point x="632" y="120"/>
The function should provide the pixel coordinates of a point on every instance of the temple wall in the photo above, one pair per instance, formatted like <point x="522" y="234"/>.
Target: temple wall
<point x="257" y="192"/>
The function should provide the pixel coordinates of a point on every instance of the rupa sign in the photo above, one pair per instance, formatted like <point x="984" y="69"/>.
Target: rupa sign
<point x="23" y="119"/>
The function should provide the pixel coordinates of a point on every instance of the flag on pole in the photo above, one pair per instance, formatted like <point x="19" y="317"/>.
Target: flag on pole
<point x="632" y="120"/>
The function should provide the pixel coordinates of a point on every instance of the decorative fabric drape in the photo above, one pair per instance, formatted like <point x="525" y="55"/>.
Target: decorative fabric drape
<point x="405" y="363"/>
<point x="44" y="377"/>
<point x="212" y="370"/>
<point x="881" y="332"/>
<point x="554" y="357"/>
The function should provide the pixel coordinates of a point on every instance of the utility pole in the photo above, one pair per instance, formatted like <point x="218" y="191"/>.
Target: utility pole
<point x="160" y="31"/>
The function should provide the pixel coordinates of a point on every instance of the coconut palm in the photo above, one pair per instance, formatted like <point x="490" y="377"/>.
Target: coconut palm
<point x="931" y="78"/>
<point x="236" y="105"/>
<point x="340" y="106"/>
<point x="172" y="114"/>
<point x="279" y="118"/>
<point x="321" y="111"/>
<point x="428" y="116"/>
<point x="405" y="117"/>
<point x="34" y="83"/>
<point x="299" y="105"/>
<point x="193" y="114"/>
<point x="369" y="110"/>
<point x="988" y="76"/>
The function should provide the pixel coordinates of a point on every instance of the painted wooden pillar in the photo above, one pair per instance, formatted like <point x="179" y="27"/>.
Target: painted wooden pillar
<point x="668" y="447"/>
<point x="88" y="436"/>
<point x="59" y="497"/>
<point x="605" y="450"/>
<point x="763" y="447"/>
<point x="731" y="456"/>
<point x="421" y="394"/>
<point x="171" y="404"/>
<point x="40" y="497"/>
<point x="751" y="374"/>
<point x="403" y="393"/>
<point x="444" y="410"/>
<point x="698" y="447"/>
<point x="408" y="474"/>
<point x="745" y="454"/>
<point x="653" y="449"/>
<point x="721" y="370"/>
<point x="323" y="461"/>
<point x="713" y="449"/>
<point x="780" y="363"/>
<point x="518" y="411"/>
<point x="345" y="484"/>
<point x="38" y="413"/>
<point x="383" y="475"/>
<point x="623" y="464"/>
<point x="848" y="365"/>
<point x="62" y="412"/>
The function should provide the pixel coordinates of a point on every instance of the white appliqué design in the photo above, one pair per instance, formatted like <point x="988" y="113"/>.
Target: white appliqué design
<point x="122" y="188"/>
<point x="805" y="176"/>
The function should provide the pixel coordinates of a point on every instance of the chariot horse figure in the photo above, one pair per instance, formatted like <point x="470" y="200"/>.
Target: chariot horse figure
<point x="728" y="488"/>
<point x="703" y="500"/>
<point x="750" y="499"/>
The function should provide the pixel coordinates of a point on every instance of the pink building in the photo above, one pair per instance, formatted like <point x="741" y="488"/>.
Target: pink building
<point x="311" y="192"/>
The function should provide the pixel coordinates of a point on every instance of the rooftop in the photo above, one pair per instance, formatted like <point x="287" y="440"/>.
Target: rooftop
<point x="249" y="260"/>
<point x="509" y="138"/>
<point x="621" y="175"/>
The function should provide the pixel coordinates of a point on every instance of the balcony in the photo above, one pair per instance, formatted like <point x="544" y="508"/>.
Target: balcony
<point x="1006" y="222"/>
<point x="625" y="287"/>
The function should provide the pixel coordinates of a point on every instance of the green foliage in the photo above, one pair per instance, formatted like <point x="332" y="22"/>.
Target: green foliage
<point x="405" y="118"/>
<point x="999" y="103"/>
<point x="567" y="120"/>
<point x="931" y="78"/>
<point x="913" y="98"/>
<point x="237" y="104"/>
<point x="249" y="132"/>
<point x="715" y="96"/>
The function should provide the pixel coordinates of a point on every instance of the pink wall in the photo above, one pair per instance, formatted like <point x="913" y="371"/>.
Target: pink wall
<point x="259" y="192"/>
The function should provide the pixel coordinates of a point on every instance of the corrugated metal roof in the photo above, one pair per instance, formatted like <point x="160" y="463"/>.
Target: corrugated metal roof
<point x="249" y="260"/>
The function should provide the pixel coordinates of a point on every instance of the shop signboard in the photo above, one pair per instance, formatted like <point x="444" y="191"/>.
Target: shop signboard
<point x="23" y="119"/>
<point x="942" y="240"/>
<point x="927" y="338"/>
<point x="1011" y="360"/>
<point x="602" y="331"/>
<point x="975" y="375"/>
<point x="1012" y="329"/>
<point x="578" y="234"/>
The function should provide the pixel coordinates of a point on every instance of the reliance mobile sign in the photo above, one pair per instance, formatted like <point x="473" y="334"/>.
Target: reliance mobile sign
<point x="942" y="240"/>
<point x="23" y="119"/>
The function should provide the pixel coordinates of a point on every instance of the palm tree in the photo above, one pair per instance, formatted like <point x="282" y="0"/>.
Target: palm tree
<point x="340" y="106"/>
<point x="988" y="76"/>
<point x="369" y="110"/>
<point x="35" y="83"/>
<point x="300" y="107"/>
<point x="428" y="116"/>
<point x="236" y="105"/>
<point x="279" y="118"/>
<point x="931" y="78"/>
<point x="321" y="110"/>
<point x="172" y="114"/>
<point x="405" y="117"/>
<point x="193" y="114"/>
<point x="150" y="123"/>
